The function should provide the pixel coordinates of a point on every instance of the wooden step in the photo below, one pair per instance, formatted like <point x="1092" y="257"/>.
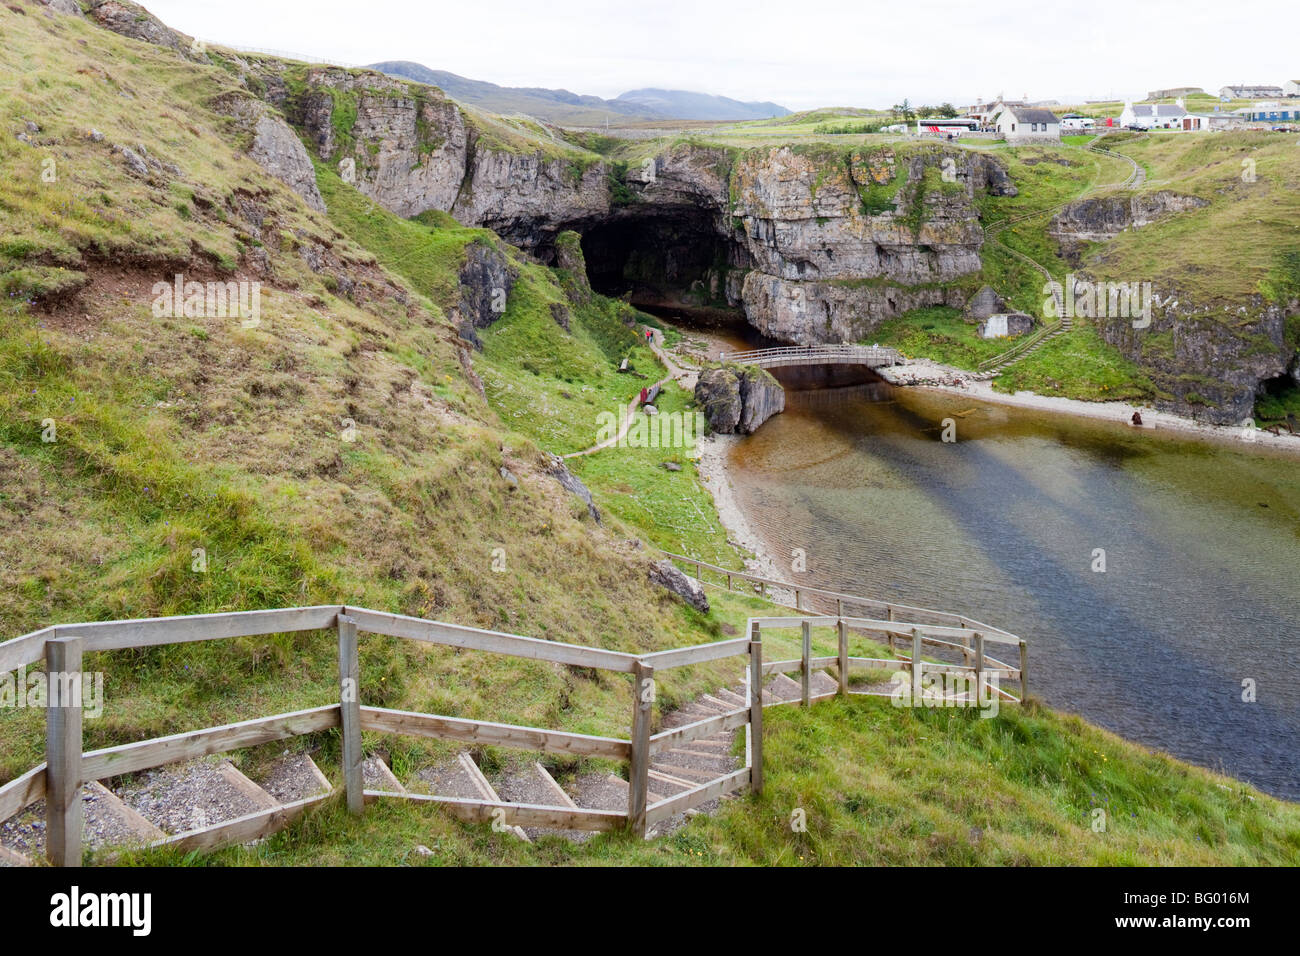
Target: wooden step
<point x="376" y="775"/>
<point x="485" y="789"/>
<point x="106" y="822"/>
<point x="669" y="784"/>
<point x="686" y="773"/>
<point x="783" y="687"/>
<point x="714" y="704"/>
<point x="194" y="795"/>
<point x="823" y="683"/>
<point x="293" y="777"/>
<point x="530" y="782"/>
<point x="731" y="698"/>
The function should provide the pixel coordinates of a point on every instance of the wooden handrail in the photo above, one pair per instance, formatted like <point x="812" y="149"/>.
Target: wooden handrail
<point x="873" y="355"/>
<point x="68" y="767"/>
<point x="888" y="606"/>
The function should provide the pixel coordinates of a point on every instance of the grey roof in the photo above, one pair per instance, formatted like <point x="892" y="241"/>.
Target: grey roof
<point x="1158" y="109"/>
<point x="1029" y="115"/>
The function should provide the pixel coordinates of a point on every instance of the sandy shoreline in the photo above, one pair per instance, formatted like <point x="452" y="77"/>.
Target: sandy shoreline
<point x="961" y="382"/>
<point x="712" y="466"/>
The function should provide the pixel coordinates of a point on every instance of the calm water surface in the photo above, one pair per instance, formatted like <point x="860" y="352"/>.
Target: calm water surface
<point x="1202" y="547"/>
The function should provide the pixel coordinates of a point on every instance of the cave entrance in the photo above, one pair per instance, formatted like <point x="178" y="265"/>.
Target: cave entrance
<point x="664" y="259"/>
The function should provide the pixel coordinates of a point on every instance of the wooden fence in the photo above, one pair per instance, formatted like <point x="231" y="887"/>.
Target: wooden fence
<point x="903" y="626"/>
<point x="67" y="767"/>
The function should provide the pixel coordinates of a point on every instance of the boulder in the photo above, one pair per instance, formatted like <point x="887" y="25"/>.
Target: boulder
<point x="277" y="149"/>
<point x="666" y="575"/>
<point x="717" y="393"/>
<point x="738" y="400"/>
<point x="761" y="397"/>
<point x="573" y="484"/>
<point x="485" y="283"/>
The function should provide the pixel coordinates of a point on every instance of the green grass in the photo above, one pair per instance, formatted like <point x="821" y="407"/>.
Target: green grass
<point x="1078" y="364"/>
<point x="939" y="333"/>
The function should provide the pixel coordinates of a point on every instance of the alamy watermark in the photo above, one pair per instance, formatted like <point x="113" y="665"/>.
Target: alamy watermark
<point x="19" y="689"/>
<point x="664" y="430"/>
<point x="948" y="689"/>
<point x="209" y="300"/>
<point x="1080" y="298"/>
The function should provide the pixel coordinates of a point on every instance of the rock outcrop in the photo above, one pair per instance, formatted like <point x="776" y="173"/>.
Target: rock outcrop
<point x="573" y="484"/>
<point x="134" y="21"/>
<point x="842" y="243"/>
<point x="1096" y="220"/>
<point x="665" y="574"/>
<point x="486" y="278"/>
<point x="1207" y="361"/>
<point x="738" y="399"/>
<point x="274" y="145"/>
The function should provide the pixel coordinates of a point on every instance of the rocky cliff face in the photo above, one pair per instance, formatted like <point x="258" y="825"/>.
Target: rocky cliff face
<point x="842" y="243"/>
<point x="1096" y="220"/>
<point x="1209" y="361"/>
<point x="738" y="400"/>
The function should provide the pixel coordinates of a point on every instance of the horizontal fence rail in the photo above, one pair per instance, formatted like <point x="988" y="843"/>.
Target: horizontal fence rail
<point x="892" y="610"/>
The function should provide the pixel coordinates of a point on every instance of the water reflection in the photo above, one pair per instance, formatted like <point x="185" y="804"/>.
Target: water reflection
<point x="1202" y="579"/>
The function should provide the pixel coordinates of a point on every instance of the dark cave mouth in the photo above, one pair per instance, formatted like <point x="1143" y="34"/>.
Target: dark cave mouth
<point x="666" y="260"/>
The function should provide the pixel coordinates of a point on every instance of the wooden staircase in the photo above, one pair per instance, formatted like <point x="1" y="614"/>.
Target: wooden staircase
<point x="153" y="807"/>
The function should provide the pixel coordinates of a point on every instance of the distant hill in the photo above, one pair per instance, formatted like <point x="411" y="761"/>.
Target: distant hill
<point x="683" y="104"/>
<point x="574" y="109"/>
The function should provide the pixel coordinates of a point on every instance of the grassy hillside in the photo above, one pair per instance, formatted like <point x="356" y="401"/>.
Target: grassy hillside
<point x="339" y="450"/>
<point x="336" y="452"/>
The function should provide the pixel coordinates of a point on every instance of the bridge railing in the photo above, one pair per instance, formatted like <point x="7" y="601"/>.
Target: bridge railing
<point x="873" y="355"/>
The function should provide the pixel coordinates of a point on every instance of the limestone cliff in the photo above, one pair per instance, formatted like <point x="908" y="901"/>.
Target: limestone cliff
<point x="1102" y="218"/>
<point x="1209" y="361"/>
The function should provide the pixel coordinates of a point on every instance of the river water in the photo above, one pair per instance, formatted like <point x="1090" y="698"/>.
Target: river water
<point x="1201" y="541"/>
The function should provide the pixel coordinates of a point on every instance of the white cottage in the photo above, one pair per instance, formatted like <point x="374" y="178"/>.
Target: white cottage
<point x="1153" y="115"/>
<point x="1021" y="124"/>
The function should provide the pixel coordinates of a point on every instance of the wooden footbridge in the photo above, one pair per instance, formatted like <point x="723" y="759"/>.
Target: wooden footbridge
<point x="872" y="356"/>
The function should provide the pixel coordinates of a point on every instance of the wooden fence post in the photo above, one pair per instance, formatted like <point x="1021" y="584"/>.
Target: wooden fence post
<point x="979" y="669"/>
<point x="1024" y="670"/>
<point x="63" y="751"/>
<point x="798" y="600"/>
<point x="916" y="667"/>
<point x="844" y="656"/>
<point x="643" y="697"/>
<point x="756" y="708"/>
<point x="806" y="669"/>
<point x="350" y="713"/>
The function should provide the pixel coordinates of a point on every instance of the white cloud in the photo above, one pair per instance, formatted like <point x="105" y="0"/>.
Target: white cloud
<point x="800" y="54"/>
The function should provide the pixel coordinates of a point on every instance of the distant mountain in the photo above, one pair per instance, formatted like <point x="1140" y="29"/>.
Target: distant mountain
<point x="573" y="109"/>
<point x="683" y="104"/>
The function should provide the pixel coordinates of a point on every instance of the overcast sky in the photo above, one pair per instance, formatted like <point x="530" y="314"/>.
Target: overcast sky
<point x="799" y="53"/>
